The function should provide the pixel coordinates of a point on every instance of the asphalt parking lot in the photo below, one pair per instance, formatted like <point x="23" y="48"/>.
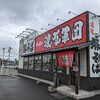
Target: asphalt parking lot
<point x="19" y="88"/>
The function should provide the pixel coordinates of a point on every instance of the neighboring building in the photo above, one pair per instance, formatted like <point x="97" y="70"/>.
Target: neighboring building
<point x="6" y="62"/>
<point x="70" y="49"/>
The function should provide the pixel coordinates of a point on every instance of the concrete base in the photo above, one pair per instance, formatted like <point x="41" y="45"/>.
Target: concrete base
<point x="51" y="89"/>
<point x="65" y="90"/>
<point x="37" y="79"/>
<point x="38" y="82"/>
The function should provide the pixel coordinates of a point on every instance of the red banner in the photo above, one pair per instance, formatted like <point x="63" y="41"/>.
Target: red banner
<point x="65" y="58"/>
<point x="69" y="33"/>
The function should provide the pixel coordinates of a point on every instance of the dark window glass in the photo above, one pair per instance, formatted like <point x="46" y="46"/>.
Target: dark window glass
<point x="37" y="62"/>
<point x="25" y="63"/>
<point x="54" y="62"/>
<point x="31" y="62"/>
<point x="46" y="62"/>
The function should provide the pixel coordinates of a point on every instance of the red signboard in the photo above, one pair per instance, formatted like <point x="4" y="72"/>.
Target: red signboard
<point x="69" y="33"/>
<point x="65" y="58"/>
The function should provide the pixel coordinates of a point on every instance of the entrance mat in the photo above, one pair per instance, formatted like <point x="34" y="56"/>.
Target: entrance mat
<point x="58" y="96"/>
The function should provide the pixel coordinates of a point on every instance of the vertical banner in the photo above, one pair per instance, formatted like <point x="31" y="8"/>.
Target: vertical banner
<point x="94" y="49"/>
<point x="29" y="43"/>
<point x="65" y="58"/>
<point x="21" y="47"/>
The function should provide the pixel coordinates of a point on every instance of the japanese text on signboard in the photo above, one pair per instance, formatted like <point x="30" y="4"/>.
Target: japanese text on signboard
<point x="69" y="33"/>
<point x="76" y="35"/>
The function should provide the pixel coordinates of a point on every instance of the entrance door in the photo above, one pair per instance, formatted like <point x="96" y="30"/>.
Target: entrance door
<point x="74" y="72"/>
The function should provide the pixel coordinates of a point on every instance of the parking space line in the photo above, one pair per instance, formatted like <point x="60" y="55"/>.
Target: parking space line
<point x="15" y="76"/>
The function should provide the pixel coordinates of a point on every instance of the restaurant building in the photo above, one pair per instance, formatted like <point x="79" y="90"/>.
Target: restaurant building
<point x="71" y="50"/>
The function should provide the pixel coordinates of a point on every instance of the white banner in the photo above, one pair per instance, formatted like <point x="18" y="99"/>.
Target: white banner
<point x="94" y="36"/>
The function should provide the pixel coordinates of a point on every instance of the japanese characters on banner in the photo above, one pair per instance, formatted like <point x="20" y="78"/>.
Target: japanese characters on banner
<point x="65" y="59"/>
<point x="21" y="47"/>
<point x="27" y="44"/>
<point x="69" y="33"/>
<point x="94" y="49"/>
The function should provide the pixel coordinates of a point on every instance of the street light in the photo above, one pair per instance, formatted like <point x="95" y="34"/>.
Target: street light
<point x="19" y="36"/>
<point x="39" y="32"/>
<point x="27" y="32"/>
<point x="51" y="25"/>
<point x="44" y="29"/>
<point x="60" y="20"/>
<point x="29" y="29"/>
<point x="72" y="13"/>
<point x="23" y="34"/>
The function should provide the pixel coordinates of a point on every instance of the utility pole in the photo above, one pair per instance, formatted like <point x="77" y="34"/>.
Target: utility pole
<point x="9" y="52"/>
<point x="2" y="61"/>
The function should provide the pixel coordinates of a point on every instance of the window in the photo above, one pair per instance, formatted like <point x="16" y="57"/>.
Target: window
<point x="37" y="62"/>
<point x="31" y="62"/>
<point x="25" y="63"/>
<point x="46" y="62"/>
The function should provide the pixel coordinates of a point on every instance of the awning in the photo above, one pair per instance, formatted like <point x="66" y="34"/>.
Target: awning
<point x="78" y="47"/>
<point x="81" y="46"/>
<point x="73" y="47"/>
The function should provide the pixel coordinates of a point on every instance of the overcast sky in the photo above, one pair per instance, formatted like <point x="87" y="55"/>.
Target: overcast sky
<point x="17" y="15"/>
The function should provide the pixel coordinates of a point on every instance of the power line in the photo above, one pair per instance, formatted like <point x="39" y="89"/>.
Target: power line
<point x="8" y="32"/>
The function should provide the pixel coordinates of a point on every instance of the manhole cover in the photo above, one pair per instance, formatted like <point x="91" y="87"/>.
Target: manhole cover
<point x="58" y="96"/>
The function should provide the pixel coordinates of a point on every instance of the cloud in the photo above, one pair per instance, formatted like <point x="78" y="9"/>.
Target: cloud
<point x="17" y="15"/>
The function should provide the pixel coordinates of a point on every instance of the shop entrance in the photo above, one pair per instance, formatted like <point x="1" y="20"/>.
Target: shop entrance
<point x="74" y="73"/>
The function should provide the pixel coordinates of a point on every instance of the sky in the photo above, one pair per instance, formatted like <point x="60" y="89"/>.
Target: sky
<point x="17" y="15"/>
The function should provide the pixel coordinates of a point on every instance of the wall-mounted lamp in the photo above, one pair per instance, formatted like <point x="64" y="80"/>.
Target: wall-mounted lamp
<point x="58" y="19"/>
<point x="70" y="12"/>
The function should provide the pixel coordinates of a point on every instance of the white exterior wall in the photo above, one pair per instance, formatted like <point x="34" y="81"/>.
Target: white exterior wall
<point x="83" y="62"/>
<point x="94" y="49"/>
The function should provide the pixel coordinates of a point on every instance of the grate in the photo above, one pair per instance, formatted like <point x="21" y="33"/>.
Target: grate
<point x="58" y="96"/>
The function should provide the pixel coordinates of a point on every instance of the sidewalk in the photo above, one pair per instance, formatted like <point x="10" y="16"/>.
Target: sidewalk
<point x="8" y="71"/>
<point x="65" y="90"/>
